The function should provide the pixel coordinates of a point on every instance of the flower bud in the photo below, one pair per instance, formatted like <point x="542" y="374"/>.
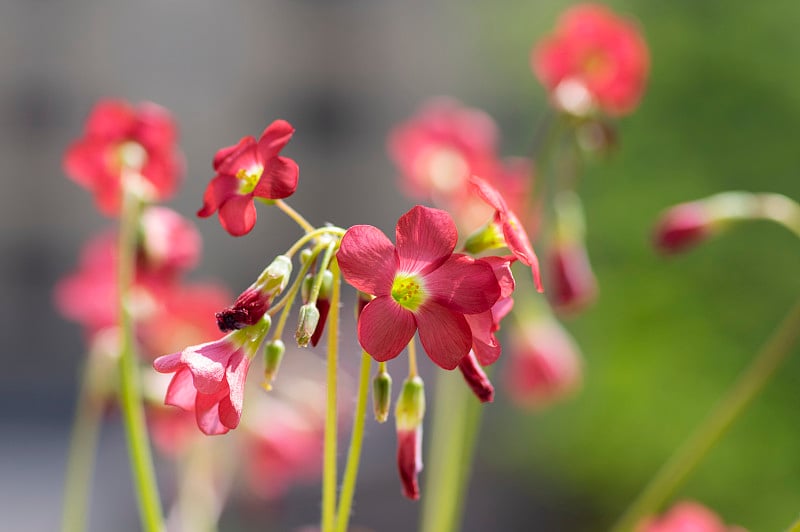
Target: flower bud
<point x="489" y="236"/>
<point x="307" y="324"/>
<point x="254" y="302"/>
<point x="574" y="285"/>
<point x="408" y="414"/>
<point x="381" y="395"/>
<point x="476" y="378"/>
<point x="682" y="227"/>
<point x="273" y="355"/>
<point x="276" y="276"/>
<point x="305" y="255"/>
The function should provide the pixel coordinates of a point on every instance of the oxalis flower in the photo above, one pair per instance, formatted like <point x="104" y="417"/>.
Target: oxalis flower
<point x="248" y="170"/>
<point x="209" y="378"/>
<point x="418" y="284"/>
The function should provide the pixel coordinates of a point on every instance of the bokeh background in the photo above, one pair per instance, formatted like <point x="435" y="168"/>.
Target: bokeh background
<point x="664" y="340"/>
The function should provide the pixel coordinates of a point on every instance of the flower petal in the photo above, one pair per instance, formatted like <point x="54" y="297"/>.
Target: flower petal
<point x="245" y="156"/>
<point x="520" y="245"/>
<point x="206" y="409"/>
<point x="425" y="239"/>
<point x="279" y="179"/>
<point x="274" y="138"/>
<point x="230" y="407"/>
<point x="367" y="260"/>
<point x="155" y="128"/>
<point x="111" y="119"/>
<point x="207" y="363"/>
<point x="444" y="334"/>
<point x="217" y="192"/>
<point x="464" y="285"/>
<point x="181" y="391"/>
<point x="168" y="363"/>
<point x="238" y="215"/>
<point x="223" y="153"/>
<point x="385" y="328"/>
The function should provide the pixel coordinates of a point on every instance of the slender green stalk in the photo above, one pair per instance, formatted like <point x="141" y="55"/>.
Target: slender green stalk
<point x="294" y="215"/>
<point x="130" y="394"/>
<point x="329" y="456"/>
<point x="356" y="439"/>
<point x="82" y="448"/>
<point x="286" y="302"/>
<point x="336" y="231"/>
<point x="702" y="440"/>
<point x="449" y="458"/>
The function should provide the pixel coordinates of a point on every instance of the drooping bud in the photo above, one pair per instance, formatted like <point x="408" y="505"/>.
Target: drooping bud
<point x="273" y="355"/>
<point x="307" y="324"/>
<point x="323" y="300"/>
<point x="409" y="412"/>
<point x="305" y="255"/>
<point x="476" y="378"/>
<point x="381" y="395"/>
<point x="254" y="302"/>
<point x="682" y="227"/>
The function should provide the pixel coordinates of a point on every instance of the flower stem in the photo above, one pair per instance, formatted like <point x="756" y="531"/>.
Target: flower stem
<point x="336" y="231"/>
<point x="750" y="382"/>
<point x="454" y="431"/>
<point x="412" y="359"/>
<point x="130" y="394"/>
<point x="329" y="456"/>
<point x="288" y="299"/>
<point x="354" y="453"/>
<point x="294" y="215"/>
<point x="82" y="447"/>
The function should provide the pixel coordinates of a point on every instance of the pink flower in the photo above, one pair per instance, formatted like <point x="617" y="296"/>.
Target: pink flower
<point x="687" y="516"/>
<point x="485" y="345"/>
<point x="544" y="364"/>
<point x="209" y="379"/>
<point x="683" y="226"/>
<point x="594" y="58"/>
<point x="516" y="238"/>
<point x="476" y="378"/>
<point x="441" y="146"/>
<point x="248" y="170"/>
<point x="118" y="136"/>
<point x="574" y="285"/>
<point x="417" y="284"/>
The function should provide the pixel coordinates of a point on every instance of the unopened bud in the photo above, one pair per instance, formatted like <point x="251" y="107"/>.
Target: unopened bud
<point x="410" y="407"/>
<point x="381" y="396"/>
<point x="476" y="378"/>
<point x="276" y="276"/>
<point x="682" y="227"/>
<point x="305" y="255"/>
<point x="247" y="310"/>
<point x="307" y="324"/>
<point x="408" y="415"/>
<point x="273" y="355"/>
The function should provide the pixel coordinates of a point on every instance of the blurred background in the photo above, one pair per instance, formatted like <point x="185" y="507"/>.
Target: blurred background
<point x="663" y="342"/>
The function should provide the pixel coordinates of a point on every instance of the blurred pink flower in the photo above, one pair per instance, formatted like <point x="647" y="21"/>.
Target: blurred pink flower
<point x="543" y="365"/>
<point x="248" y="170"/>
<point x="168" y="241"/>
<point x="594" y="58"/>
<point x="117" y="136"/>
<point x="687" y="516"/>
<point x="418" y="284"/>
<point x="573" y="284"/>
<point x="682" y="226"/>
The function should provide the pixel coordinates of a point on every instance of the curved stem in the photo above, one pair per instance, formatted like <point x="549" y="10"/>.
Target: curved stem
<point x="337" y="231"/>
<point x="130" y="394"/>
<point x="294" y="215"/>
<point x="288" y="299"/>
<point x="702" y="440"/>
<point x="323" y="265"/>
<point x="82" y="448"/>
<point x="329" y="456"/>
<point x="356" y="439"/>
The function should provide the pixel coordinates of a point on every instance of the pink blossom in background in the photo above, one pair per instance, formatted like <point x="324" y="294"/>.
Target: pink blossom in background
<point x="250" y="169"/>
<point x="543" y="364"/>
<point x="687" y="516"/>
<point x="573" y="285"/>
<point x="593" y="58"/>
<point x="119" y="135"/>
<point x="419" y="284"/>
<point x="168" y="241"/>
<point x="682" y="227"/>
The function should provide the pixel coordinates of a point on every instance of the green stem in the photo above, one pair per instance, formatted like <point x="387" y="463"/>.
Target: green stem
<point x="452" y="445"/>
<point x="329" y="456"/>
<point x="702" y="440"/>
<point x="130" y="394"/>
<point x="82" y="447"/>
<point x="291" y="294"/>
<point x="356" y="439"/>
<point x="294" y="215"/>
<point x="336" y="231"/>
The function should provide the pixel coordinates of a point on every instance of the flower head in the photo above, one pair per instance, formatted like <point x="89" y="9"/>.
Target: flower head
<point x="209" y="378"/>
<point x="593" y="59"/>
<point x="513" y="232"/>
<point x="119" y="136"/>
<point x="169" y="242"/>
<point x="248" y="170"/>
<point x="418" y="284"/>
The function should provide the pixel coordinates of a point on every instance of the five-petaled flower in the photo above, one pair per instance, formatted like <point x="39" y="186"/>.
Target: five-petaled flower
<point x="594" y="59"/>
<point x="120" y="137"/>
<point x="418" y="284"/>
<point x="247" y="170"/>
<point x="209" y="378"/>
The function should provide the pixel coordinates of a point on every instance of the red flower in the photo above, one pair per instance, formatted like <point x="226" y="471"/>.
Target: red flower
<point x="516" y="238"/>
<point x="593" y="59"/>
<point x="417" y="284"/>
<point x="247" y="170"/>
<point x="485" y="345"/>
<point x="544" y="364"/>
<point x="687" y="516"/>
<point x="118" y="136"/>
<point x="209" y="379"/>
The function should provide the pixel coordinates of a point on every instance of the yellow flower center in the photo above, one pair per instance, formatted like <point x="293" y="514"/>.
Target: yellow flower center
<point x="409" y="291"/>
<point x="248" y="179"/>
